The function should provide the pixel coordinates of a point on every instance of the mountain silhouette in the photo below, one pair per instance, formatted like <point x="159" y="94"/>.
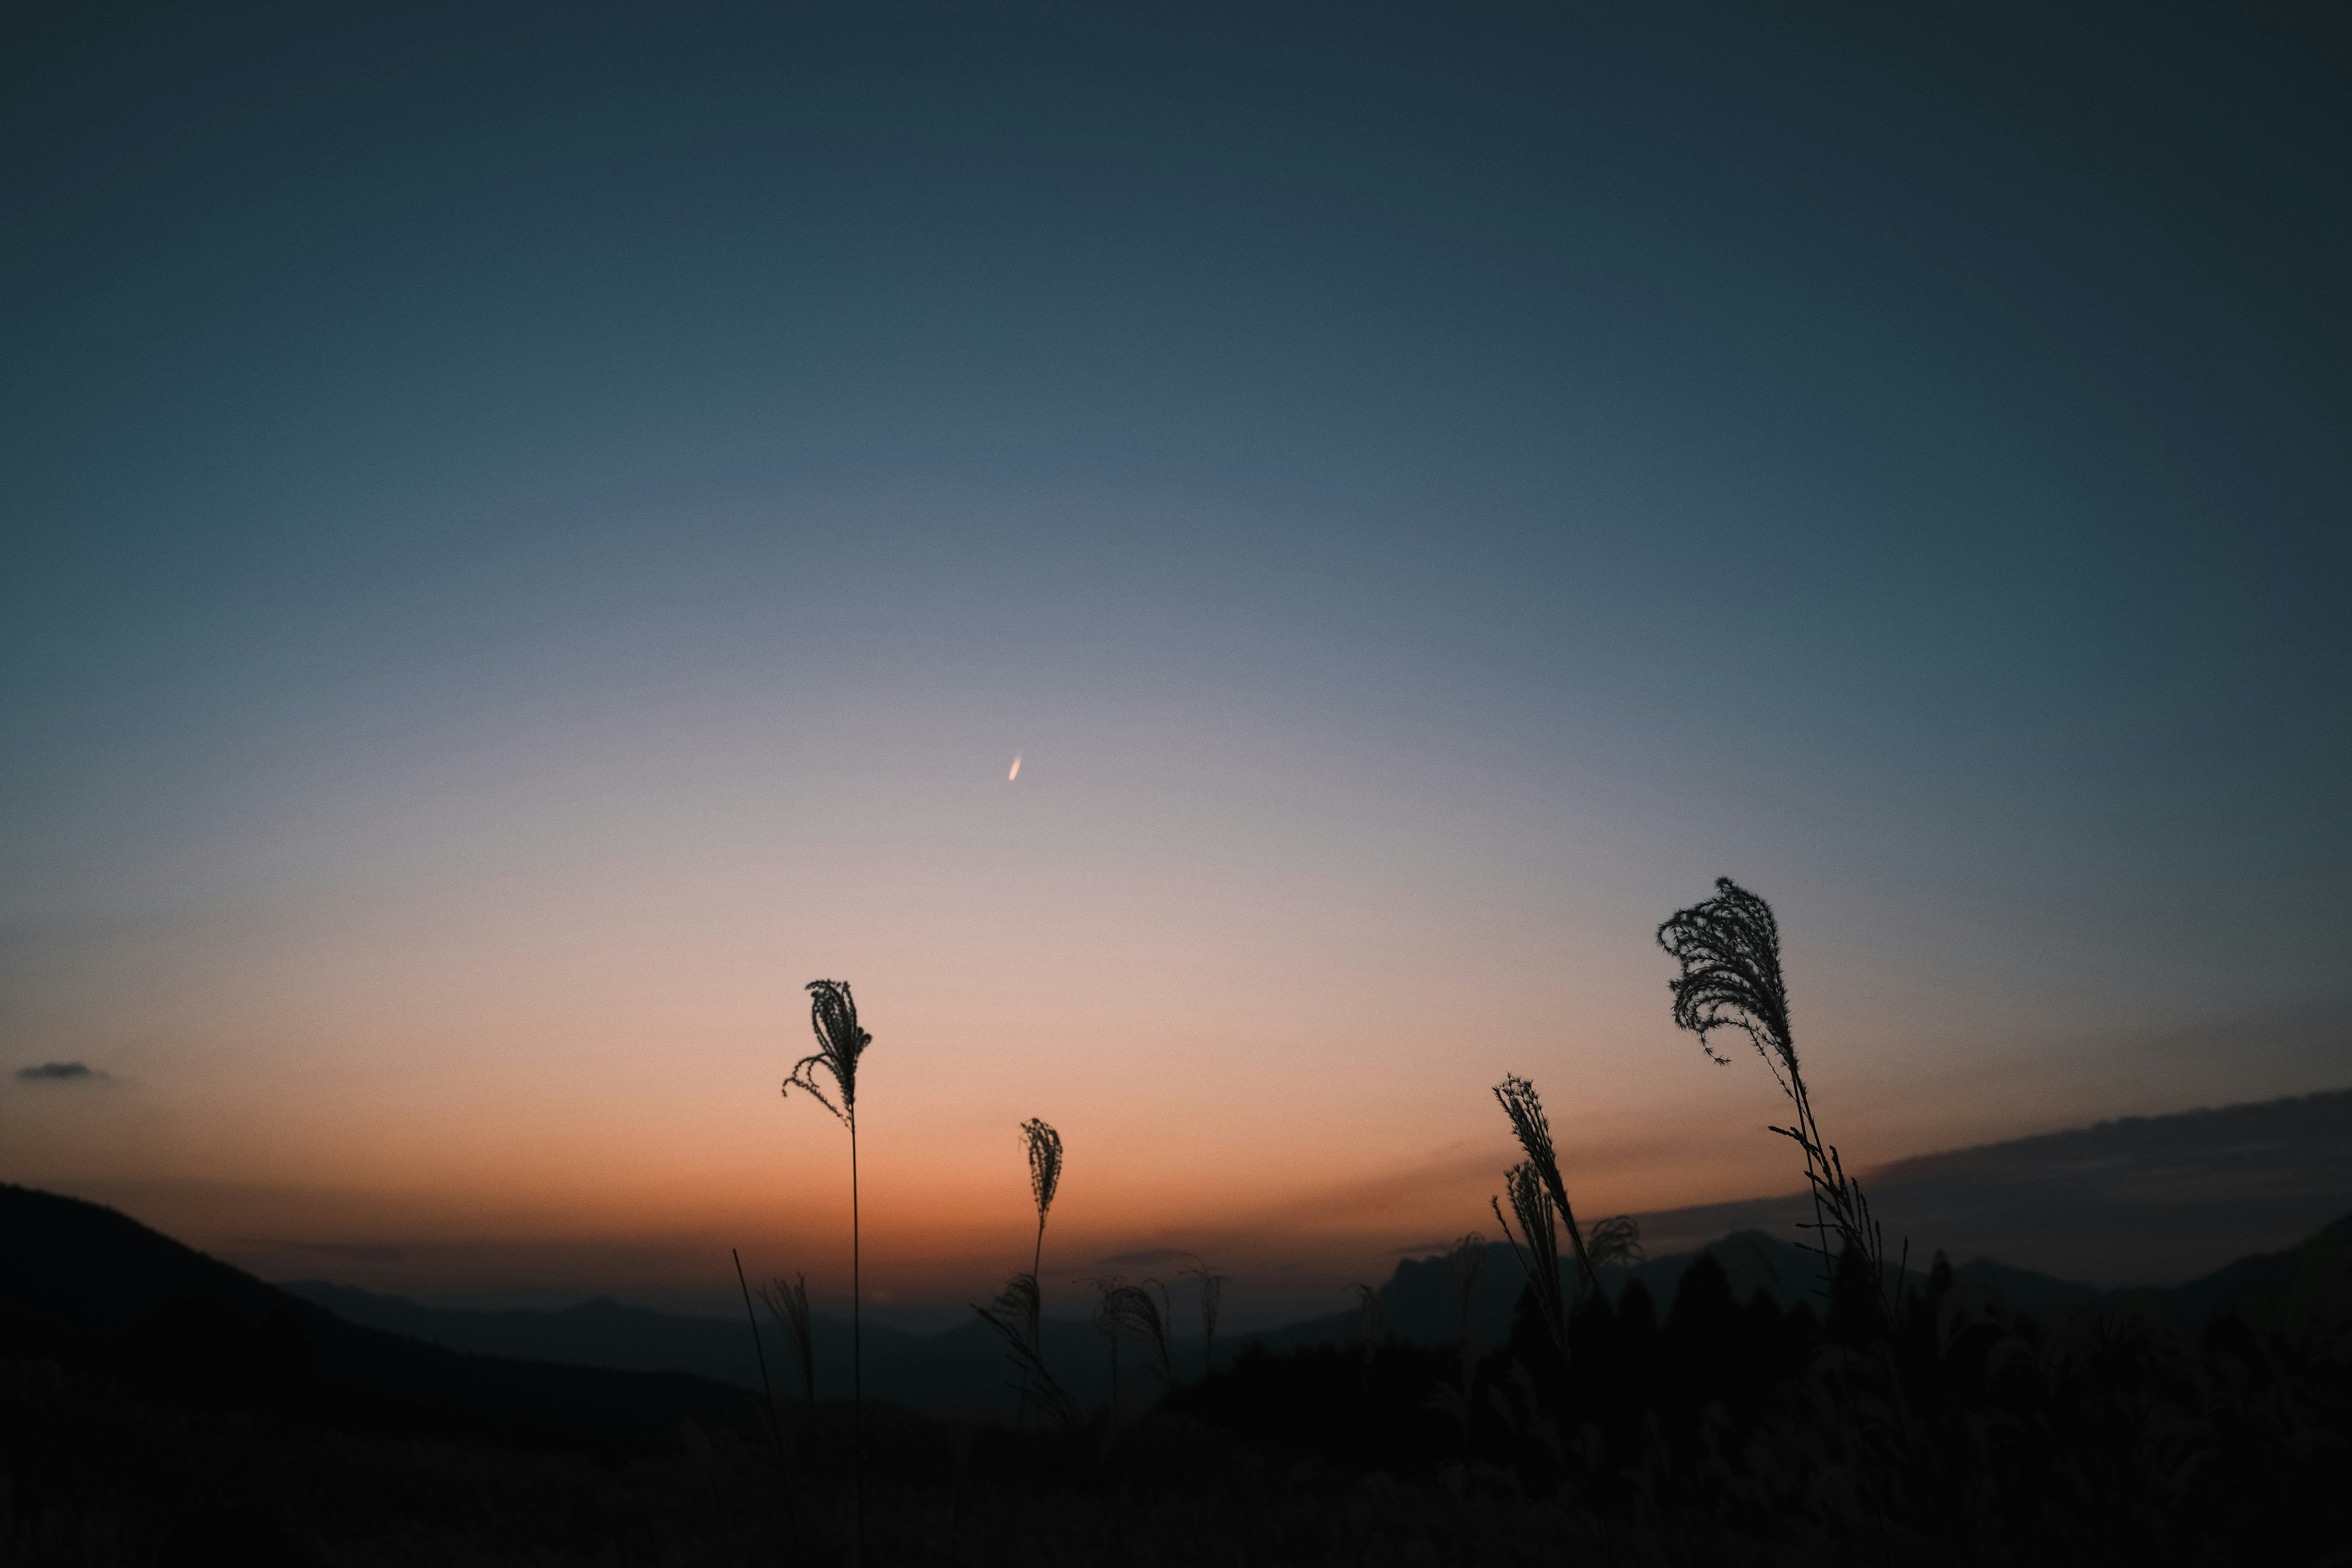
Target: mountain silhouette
<point x="89" y="1285"/>
<point x="963" y="1368"/>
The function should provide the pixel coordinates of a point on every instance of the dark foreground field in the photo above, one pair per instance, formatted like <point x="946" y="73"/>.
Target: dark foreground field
<point x="200" y="1417"/>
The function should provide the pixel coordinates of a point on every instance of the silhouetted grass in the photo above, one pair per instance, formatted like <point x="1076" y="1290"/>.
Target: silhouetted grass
<point x="1139" y="1312"/>
<point x="833" y="1014"/>
<point x="1537" y="1196"/>
<point x="1044" y="1148"/>
<point x="787" y="1301"/>
<point x="1017" y="1313"/>
<point x="1212" y="1289"/>
<point x="1014" y="1317"/>
<point x="1533" y="1129"/>
<point x="1536" y="1244"/>
<point x="1728" y="948"/>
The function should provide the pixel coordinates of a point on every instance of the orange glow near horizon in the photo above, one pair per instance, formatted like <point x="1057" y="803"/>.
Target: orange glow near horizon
<point x="535" y="1032"/>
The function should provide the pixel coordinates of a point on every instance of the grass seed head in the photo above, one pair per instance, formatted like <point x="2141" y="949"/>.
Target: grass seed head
<point x="1044" y="1163"/>
<point x="1518" y="1101"/>
<point x="1729" y="950"/>
<point x="1617" y="1239"/>
<point x="832" y="1012"/>
<point x="1536" y="1242"/>
<point x="1212" y="1293"/>
<point x="788" y="1302"/>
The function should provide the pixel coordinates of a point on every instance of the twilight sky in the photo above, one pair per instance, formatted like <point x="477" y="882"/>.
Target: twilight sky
<point x="529" y="534"/>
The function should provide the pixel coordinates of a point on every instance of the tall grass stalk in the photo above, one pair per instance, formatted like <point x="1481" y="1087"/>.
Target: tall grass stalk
<point x="1135" y="1313"/>
<point x="1728" y="948"/>
<point x="833" y="1014"/>
<point x="1018" y="1312"/>
<point x="1124" y="1312"/>
<point x="787" y="1301"/>
<point x="1014" y="1317"/>
<point x="768" y="1405"/>
<point x="1536" y="1244"/>
<point x="1106" y="1325"/>
<point x="1045" y="1147"/>
<point x="1617" y="1239"/>
<point x="1519" y="1102"/>
<point x="1212" y="1293"/>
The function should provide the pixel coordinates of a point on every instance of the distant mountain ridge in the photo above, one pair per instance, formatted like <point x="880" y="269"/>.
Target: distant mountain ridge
<point x="81" y="1276"/>
<point x="963" y="1368"/>
<point x="958" y="1368"/>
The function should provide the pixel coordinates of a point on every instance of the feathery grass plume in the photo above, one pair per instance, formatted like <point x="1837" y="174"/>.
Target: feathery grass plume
<point x="1212" y="1293"/>
<point x="1540" y="1259"/>
<point x="1045" y="1147"/>
<point x="1137" y="1314"/>
<point x="1517" y="1098"/>
<point x="1617" y="1239"/>
<point x="1728" y="948"/>
<point x="1106" y="1325"/>
<point x="833" y="1014"/>
<point x="1018" y="1312"/>
<point x="787" y="1301"/>
<point x="1015" y="1315"/>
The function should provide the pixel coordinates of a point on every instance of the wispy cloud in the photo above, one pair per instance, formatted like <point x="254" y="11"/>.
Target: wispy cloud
<point x="346" y="1251"/>
<point x="59" y="1072"/>
<point x="2142" y="1201"/>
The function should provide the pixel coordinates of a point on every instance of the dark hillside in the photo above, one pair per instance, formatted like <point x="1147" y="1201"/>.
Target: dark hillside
<point x="2285" y="1288"/>
<point x="89" y="1285"/>
<point x="145" y="1386"/>
<point x="958" y="1369"/>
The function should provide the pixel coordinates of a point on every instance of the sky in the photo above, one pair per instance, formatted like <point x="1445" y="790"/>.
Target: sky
<point x="531" y="533"/>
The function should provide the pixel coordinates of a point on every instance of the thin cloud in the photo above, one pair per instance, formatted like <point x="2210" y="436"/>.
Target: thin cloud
<point x="59" y="1072"/>
<point x="1150" y="1255"/>
<point x="347" y="1251"/>
<point x="2148" y="1200"/>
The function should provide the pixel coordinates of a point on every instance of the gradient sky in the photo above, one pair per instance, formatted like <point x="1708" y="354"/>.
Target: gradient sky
<point x="532" y="533"/>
